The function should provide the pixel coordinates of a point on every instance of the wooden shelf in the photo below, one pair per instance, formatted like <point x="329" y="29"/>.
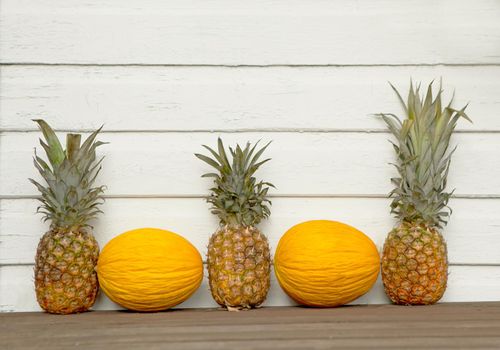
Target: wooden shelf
<point x="452" y="325"/>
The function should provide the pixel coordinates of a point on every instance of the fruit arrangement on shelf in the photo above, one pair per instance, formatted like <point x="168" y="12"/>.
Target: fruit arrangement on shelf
<point x="238" y="259"/>
<point x="325" y="263"/>
<point x="149" y="269"/>
<point x="318" y="263"/>
<point x="414" y="260"/>
<point x="65" y="279"/>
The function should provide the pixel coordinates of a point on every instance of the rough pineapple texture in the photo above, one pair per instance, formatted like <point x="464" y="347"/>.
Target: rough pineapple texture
<point x="239" y="266"/>
<point x="414" y="265"/>
<point x="65" y="278"/>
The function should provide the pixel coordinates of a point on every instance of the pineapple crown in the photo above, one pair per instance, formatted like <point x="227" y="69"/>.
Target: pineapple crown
<point x="237" y="198"/>
<point x="69" y="199"/>
<point x="423" y="157"/>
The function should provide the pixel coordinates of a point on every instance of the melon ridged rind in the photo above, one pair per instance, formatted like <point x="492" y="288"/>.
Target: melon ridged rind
<point x="149" y="269"/>
<point x="325" y="263"/>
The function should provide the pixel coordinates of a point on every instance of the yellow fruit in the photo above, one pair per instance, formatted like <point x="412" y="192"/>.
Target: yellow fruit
<point x="326" y="263"/>
<point x="149" y="269"/>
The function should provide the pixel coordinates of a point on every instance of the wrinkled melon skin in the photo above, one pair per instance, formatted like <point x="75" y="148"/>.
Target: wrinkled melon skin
<point x="324" y="263"/>
<point x="149" y="269"/>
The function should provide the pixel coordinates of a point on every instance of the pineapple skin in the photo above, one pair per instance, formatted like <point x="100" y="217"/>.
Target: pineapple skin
<point x="239" y="265"/>
<point x="414" y="264"/>
<point x="65" y="275"/>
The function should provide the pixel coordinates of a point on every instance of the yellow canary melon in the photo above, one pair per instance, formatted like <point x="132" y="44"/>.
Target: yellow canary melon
<point x="149" y="269"/>
<point x="324" y="263"/>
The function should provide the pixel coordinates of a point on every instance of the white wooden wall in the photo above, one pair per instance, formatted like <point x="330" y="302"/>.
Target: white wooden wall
<point x="167" y="76"/>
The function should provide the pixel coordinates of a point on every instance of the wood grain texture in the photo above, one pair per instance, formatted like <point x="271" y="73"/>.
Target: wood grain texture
<point x="302" y="163"/>
<point x="166" y="77"/>
<point x="481" y="283"/>
<point x="473" y="223"/>
<point x="18" y="294"/>
<point x="221" y="98"/>
<point x="360" y="327"/>
<point x="253" y="33"/>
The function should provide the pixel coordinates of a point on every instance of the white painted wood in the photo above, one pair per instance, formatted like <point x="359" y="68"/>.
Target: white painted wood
<point x="250" y="32"/>
<point x="164" y="74"/>
<point x="472" y="234"/>
<point x="218" y="98"/>
<point x="302" y="163"/>
<point x="465" y="283"/>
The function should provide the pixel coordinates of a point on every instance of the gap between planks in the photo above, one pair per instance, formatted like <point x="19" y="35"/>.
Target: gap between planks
<point x="292" y="196"/>
<point x="234" y="131"/>
<point x="272" y="65"/>
<point x="272" y="264"/>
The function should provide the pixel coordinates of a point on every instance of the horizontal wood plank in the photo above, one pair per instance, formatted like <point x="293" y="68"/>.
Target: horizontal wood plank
<point x="302" y="163"/>
<point x="252" y="33"/>
<point x="472" y="234"/>
<point x="360" y="327"/>
<point x="480" y="283"/>
<point x="214" y="98"/>
<point x="281" y="316"/>
<point x="166" y="77"/>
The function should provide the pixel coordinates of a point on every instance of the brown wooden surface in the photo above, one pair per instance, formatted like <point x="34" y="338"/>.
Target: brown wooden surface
<point x="443" y="326"/>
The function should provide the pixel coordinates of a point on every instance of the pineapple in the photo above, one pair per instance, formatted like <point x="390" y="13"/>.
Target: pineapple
<point x="414" y="259"/>
<point x="65" y="276"/>
<point x="238" y="256"/>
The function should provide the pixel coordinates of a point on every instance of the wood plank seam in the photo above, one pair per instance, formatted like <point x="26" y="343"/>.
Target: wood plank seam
<point x="200" y="196"/>
<point x="235" y="131"/>
<point x="273" y="65"/>
<point x="204" y="263"/>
